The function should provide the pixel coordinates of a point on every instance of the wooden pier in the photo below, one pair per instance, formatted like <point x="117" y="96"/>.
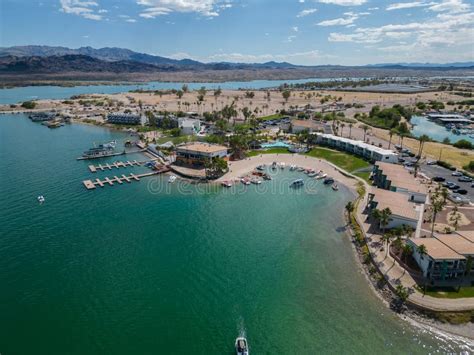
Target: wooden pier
<point x="92" y="184"/>
<point x="117" y="165"/>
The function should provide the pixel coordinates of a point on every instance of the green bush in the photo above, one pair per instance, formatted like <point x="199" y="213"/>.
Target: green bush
<point x="463" y="144"/>
<point x="446" y="165"/>
<point x="29" y="105"/>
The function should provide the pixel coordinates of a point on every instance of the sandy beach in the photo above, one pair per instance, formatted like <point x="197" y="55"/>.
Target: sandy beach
<point x="240" y="168"/>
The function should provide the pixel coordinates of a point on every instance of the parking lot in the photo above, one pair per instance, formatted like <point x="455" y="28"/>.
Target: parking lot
<point x="436" y="170"/>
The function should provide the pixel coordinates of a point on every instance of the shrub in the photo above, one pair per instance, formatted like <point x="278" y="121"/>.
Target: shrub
<point x="29" y="105"/>
<point x="463" y="144"/>
<point x="446" y="165"/>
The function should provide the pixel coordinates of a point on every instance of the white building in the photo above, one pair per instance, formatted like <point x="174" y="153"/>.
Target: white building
<point x="360" y="148"/>
<point x="189" y="126"/>
<point x="403" y="211"/>
<point x="396" y="178"/>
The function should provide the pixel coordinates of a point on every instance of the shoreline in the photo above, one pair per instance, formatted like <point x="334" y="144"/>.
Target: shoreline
<point x="463" y="332"/>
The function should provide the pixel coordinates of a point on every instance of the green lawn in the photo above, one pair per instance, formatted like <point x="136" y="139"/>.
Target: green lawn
<point x="464" y="292"/>
<point x="343" y="160"/>
<point x="271" y="117"/>
<point x="254" y="153"/>
<point x="175" y="140"/>
<point x="363" y="175"/>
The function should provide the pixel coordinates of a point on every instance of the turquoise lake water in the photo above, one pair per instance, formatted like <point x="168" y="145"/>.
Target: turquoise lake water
<point x="20" y="94"/>
<point x="158" y="268"/>
<point x="437" y="132"/>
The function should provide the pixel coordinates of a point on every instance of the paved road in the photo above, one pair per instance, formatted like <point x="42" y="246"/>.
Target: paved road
<point x="436" y="170"/>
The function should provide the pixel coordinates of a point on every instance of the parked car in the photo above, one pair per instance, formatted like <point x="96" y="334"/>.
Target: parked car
<point x="431" y="162"/>
<point x="454" y="187"/>
<point x="461" y="192"/>
<point x="465" y="179"/>
<point x="458" y="199"/>
<point x="456" y="173"/>
<point x="439" y="179"/>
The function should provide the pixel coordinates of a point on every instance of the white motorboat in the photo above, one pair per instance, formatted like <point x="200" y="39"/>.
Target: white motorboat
<point x="335" y="187"/>
<point x="241" y="346"/>
<point x="226" y="183"/>
<point x="282" y="165"/>
<point x="245" y="181"/>
<point x="41" y="199"/>
<point x="293" y="167"/>
<point x="256" y="181"/>
<point x="172" y="178"/>
<point x="321" y="176"/>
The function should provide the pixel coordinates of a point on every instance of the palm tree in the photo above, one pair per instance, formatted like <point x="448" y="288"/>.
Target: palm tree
<point x="423" y="138"/>
<point x="385" y="218"/>
<point x="391" y="133"/>
<point x="436" y="207"/>
<point x="386" y="237"/>
<point x="406" y="250"/>
<point x="350" y="129"/>
<point x="401" y="292"/>
<point x="350" y="208"/>
<point x="365" y="128"/>
<point x="455" y="217"/>
<point x="342" y="127"/>
<point x="421" y="249"/>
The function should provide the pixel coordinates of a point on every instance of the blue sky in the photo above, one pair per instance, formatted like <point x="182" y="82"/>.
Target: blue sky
<point x="309" y="32"/>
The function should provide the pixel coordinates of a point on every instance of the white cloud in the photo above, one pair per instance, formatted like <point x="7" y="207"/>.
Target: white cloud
<point x="131" y="20"/>
<point x="348" y="20"/>
<point x="407" y="5"/>
<point x="453" y="6"/>
<point x="209" y="8"/>
<point x="309" y="58"/>
<point x="81" y="8"/>
<point x="102" y="11"/>
<point x="306" y="12"/>
<point x="295" y="28"/>
<point x="344" y="2"/>
<point x="447" y="36"/>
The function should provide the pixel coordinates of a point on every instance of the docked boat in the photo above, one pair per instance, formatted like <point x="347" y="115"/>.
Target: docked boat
<point x="101" y="151"/>
<point x="297" y="183"/>
<point x="274" y="165"/>
<point x="40" y="198"/>
<point x="172" y="178"/>
<point x="266" y="177"/>
<point x="226" y="183"/>
<point x="241" y="346"/>
<point x="301" y="169"/>
<point x="256" y="181"/>
<point x="245" y="181"/>
<point x="321" y="175"/>
<point x="282" y="165"/>
<point x="328" y="181"/>
<point x="312" y="174"/>
<point x="335" y="187"/>
<point x="261" y="167"/>
<point x="293" y="167"/>
<point x="53" y="124"/>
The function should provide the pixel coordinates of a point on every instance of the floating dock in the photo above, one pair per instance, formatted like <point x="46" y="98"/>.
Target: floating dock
<point x="117" y="165"/>
<point x="92" y="184"/>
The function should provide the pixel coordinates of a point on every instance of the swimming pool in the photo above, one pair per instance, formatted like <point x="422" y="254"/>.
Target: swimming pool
<point x="276" y="144"/>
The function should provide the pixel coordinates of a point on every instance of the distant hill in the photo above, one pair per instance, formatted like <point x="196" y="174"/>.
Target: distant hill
<point x="113" y="54"/>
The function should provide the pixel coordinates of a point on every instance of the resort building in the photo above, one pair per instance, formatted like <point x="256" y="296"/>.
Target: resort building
<point x="396" y="178"/>
<point x="189" y="126"/>
<point x="403" y="211"/>
<point x="441" y="265"/>
<point x="126" y="118"/>
<point x="197" y="154"/>
<point x="360" y="148"/>
<point x="461" y="246"/>
<point x="468" y="235"/>
<point x="298" y="126"/>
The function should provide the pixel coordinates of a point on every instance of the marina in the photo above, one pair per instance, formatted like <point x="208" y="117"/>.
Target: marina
<point x="116" y="165"/>
<point x="92" y="184"/>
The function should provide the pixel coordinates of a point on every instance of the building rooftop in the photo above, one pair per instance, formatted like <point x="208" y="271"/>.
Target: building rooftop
<point x="360" y="144"/>
<point x="437" y="250"/>
<point x="457" y="243"/>
<point x="401" y="177"/>
<point x="201" y="148"/>
<point x="397" y="203"/>
<point x="469" y="235"/>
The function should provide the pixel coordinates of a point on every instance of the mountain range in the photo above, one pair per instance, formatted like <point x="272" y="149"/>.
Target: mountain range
<point x="54" y="59"/>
